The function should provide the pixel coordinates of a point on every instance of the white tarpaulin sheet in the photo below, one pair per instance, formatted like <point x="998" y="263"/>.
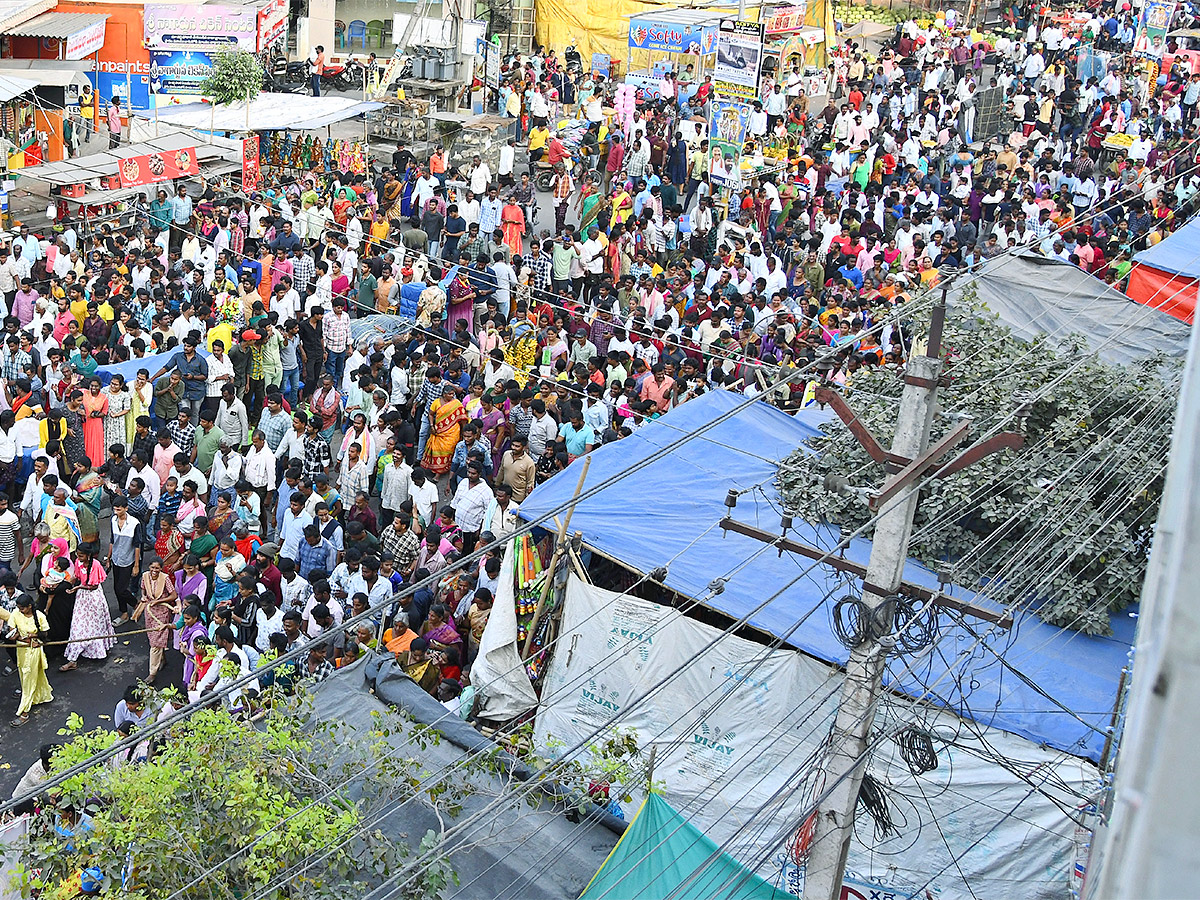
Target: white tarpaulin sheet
<point x="737" y="732"/>
<point x="268" y="112"/>
<point x="499" y="677"/>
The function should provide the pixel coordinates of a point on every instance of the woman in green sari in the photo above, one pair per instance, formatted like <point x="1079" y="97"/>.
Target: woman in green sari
<point x="89" y="489"/>
<point x="590" y="200"/>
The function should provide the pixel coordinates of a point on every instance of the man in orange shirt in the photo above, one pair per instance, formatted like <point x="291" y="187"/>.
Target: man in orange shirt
<point x="437" y="165"/>
<point x="317" y="64"/>
<point x="657" y="388"/>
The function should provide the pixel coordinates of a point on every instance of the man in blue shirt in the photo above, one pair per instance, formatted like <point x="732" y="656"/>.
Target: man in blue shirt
<point x="577" y="434"/>
<point x="194" y="372"/>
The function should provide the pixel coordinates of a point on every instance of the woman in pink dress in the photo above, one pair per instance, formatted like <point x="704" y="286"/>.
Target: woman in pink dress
<point x="92" y="633"/>
<point x="95" y="411"/>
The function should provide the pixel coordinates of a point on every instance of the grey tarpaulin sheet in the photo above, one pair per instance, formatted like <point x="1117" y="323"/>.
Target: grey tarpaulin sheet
<point x="1036" y="296"/>
<point x="519" y="851"/>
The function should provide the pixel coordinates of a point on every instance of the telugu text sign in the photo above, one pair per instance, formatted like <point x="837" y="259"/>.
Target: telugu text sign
<point x="207" y="26"/>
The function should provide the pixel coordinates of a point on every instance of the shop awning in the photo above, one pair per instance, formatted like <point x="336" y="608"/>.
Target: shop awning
<point x="83" y="32"/>
<point x="45" y="72"/>
<point x="14" y="12"/>
<point x="14" y="86"/>
<point x="268" y="112"/>
<point x="97" y="165"/>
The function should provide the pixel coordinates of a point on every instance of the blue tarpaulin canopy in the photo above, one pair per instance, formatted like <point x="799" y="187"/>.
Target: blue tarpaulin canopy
<point x="1178" y="254"/>
<point x="667" y="513"/>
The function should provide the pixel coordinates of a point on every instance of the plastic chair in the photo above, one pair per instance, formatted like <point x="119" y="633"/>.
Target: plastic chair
<point x="375" y="32"/>
<point x="358" y="32"/>
<point x="387" y="33"/>
<point x="339" y="33"/>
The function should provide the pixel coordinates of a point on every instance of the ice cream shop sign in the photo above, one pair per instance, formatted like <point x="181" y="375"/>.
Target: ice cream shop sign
<point x="653" y="34"/>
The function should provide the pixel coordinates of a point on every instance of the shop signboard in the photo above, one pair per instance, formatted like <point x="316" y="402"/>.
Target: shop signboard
<point x="646" y="85"/>
<point x="251" y="170"/>
<point x="646" y="33"/>
<point x="491" y="64"/>
<point x="272" y="24"/>
<point x="85" y="42"/>
<point x="179" y="72"/>
<point x="739" y="59"/>
<point x="787" y="18"/>
<point x="150" y="168"/>
<point x="209" y="26"/>
<point x="726" y="135"/>
<point x="601" y="65"/>
<point x="1151" y="37"/>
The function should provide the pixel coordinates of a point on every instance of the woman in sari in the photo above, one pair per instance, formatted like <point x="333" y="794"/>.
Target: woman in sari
<point x="494" y="425"/>
<point x="230" y="564"/>
<point x="190" y="508"/>
<point x="222" y="516"/>
<point x="141" y="393"/>
<point x="95" y="409"/>
<point x="57" y="603"/>
<point x="461" y="297"/>
<point x="186" y="634"/>
<point x="512" y="221"/>
<point x="390" y="201"/>
<point x="190" y="580"/>
<point x="622" y="205"/>
<point x="160" y="605"/>
<point x="169" y="545"/>
<point x="591" y="198"/>
<point x="89" y="491"/>
<point x="342" y="203"/>
<point x="341" y="281"/>
<point x="31" y="628"/>
<point x="440" y="631"/>
<point x="92" y="633"/>
<point x="446" y="416"/>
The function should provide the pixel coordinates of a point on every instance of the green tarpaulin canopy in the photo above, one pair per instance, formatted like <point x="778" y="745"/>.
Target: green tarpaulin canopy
<point x="662" y="855"/>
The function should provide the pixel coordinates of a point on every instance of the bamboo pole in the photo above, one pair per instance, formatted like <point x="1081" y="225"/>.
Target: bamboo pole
<point x="559" y="546"/>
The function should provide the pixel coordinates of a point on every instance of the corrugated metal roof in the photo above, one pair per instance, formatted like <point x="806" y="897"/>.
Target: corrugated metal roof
<point x="57" y="24"/>
<point x="14" y="12"/>
<point x="85" y="168"/>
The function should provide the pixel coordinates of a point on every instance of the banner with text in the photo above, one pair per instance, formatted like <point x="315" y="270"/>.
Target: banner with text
<point x="653" y="34"/>
<point x="726" y="135"/>
<point x="150" y="168"/>
<point x="739" y="59"/>
<point x="182" y="26"/>
<point x="251" y="171"/>
<point x="179" y="72"/>
<point x="1152" y="30"/>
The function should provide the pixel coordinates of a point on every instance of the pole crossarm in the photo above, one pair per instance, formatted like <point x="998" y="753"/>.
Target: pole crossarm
<point x="937" y="598"/>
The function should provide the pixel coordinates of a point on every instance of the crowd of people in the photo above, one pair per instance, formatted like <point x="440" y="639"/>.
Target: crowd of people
<point x="204" y="414"/>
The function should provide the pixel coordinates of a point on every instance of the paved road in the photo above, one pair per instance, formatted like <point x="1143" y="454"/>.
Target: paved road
<point x="92" y="690"/>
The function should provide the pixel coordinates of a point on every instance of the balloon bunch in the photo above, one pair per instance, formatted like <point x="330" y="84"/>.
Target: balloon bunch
<point x="625" y="106"/>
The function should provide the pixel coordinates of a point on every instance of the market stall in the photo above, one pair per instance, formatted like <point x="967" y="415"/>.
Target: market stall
<point x="34" y="93"/>
<point x="284" y="125"/>
<point x="103" y="186"/>
<point x="668" y="40"/>
<point x="796" y="35"/>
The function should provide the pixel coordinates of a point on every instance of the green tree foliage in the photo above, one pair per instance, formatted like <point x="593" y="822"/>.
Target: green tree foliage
<point x="1063" y="525"/>
<point x="236" y="76"/>
<point x="286" y="808"/>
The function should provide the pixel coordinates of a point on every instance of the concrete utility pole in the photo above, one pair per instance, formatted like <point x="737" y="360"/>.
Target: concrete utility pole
<point x="1147" y="849"/>
<point x="911" y="459"/>
<point x="864" y="670"/>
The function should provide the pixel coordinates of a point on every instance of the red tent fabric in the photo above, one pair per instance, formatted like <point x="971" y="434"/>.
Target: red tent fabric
<point x="1173" y="294"/>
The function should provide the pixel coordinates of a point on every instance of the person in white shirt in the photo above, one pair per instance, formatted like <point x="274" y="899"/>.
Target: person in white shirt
<point x="758" y="120"/>
<point x="424" y="494"/>
<point x="508" y="156"/>
<point x="480" y="177"/>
